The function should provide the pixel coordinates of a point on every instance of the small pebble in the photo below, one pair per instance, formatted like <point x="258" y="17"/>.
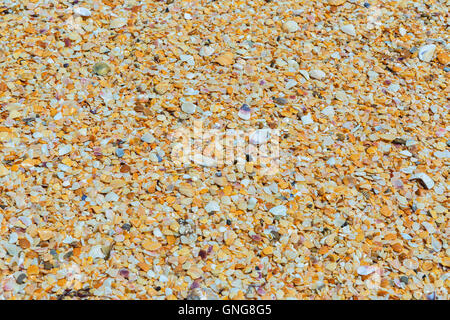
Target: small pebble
<point x="101" y="68"/>
<point x="120" y="152"/>
<point x="188" y="107"/>
<point x="21" y="278"/>
<point x="280" y="101"/>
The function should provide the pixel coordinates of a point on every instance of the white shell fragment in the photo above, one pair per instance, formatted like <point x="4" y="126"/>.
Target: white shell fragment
<point x="366" y="270"/>
<point x="206" y="51"/>
<point x="64" y="149"/>
<point x="188" y="107"/>
<point x="426" y="52"/>
<point x="244" y="112"/>
<point x="82" y="11"/>
<point x="212" y="206"/>
<point x="304" y="73"/>
<point x="349" y="29"/>
<point x="425" y="180"/>
<point x="96" y="252"/>
<point x="259" y="136"/>
<point x="279" y="211"/>
<point x="148" y="138"/>
<point x="204" y="160"/>
<point x="118" y="23"/>
<point x="290" y="26"/>
<point x="307" y="119"/>
<point x="317" y="74"/>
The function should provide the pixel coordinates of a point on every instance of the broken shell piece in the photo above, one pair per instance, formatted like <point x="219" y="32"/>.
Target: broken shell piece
<point x="317" y="74"/>
<point x="259" y="136"/>
<point x="431" y="296"/>
<point x="426" y="52"/>
<point x="161" y="87"/>
<point x="225" y="59"/>
<point x="118" y="23"/>
<point x="306" y="119"/>
<point x="206" y="51"/>
<point x="280" y="101"/>
<point x="304" y="73"/>
<point x="278" y="211"/>
<point x="199" y="293"/>
<point x="148" y="138"/>
<point x="290" y="26"/>
<point x="349" y="29"/>
<point x="336" y="2"/>
<point x="203" y="160"/>
<point x="365" y="270"/>
<point x="212" y="206"/>
<point x="244" y="112"/>
<point x="64" y="149"/>
<point x="3" y="170"/>
<point x="424" y="180"/>
<point x="82" y="11"/>
<point x="96" y="252"/>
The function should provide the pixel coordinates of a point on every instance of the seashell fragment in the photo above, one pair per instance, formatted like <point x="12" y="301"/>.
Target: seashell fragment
<point x="204" y="160"/>
<point x="212" y="206"/>
<point x="82" y="11"/>
<point x="424" y="180"/>
<point x="349" y="29"/>
<point x="244" y="112"/>
<point x="206" y="51"/>
<point x="118" y="23"/>
<point x="426" y="52"/>
<point x="290" y="26"/>
<point x="259" y="136"/>
<point x="188" y="107"/>
<point x="365" y="270"/>
<point x="278" y="211"/>
<point x="317" y="74"/>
